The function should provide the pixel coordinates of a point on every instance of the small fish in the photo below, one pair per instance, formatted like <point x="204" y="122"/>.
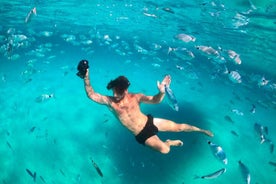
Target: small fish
<point x="272" y="163"/>
<point x="179" y="67"/>
<point x="234" y="57"/>
<point x="182" y="53"/>
<point x="43" y="97"/>
<point x="171" y="98"/>
<point x="32" y="129"/>
<point x="61" y="171"/>
<point x="245" y="172"/>
<point x="236" y="111"/>
<point x="167" y="9"/>
<point x="234" y="133"/>
<point x="150" y="15"/>
<point x="228" y="118"/>
<point x="33" y="175"/>
<point x="253" y="109"/>
<point x="261" y="131"/>
<point x="30" y="15"/>
<point x="235" y="77"/>
<point x="263" y="82"/>
<point x="42" y="179"/>
<point x="208" y="51"/>
<point x="9" y="145"/>
<point x="218" y="152"/>
<point x="185" y="38"/>
<point x="97" y="168"/>
<point x="271" y="147"/>
<point x="213" y="175"/>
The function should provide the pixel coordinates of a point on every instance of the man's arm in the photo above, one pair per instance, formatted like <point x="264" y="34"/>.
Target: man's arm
<point x="159" y="96"/>
<point x="152" y="99"/>
<point x="96" y="97"/>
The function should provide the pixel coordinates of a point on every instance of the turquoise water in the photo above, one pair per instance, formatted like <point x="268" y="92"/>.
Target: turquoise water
<point x="143" y="40"/>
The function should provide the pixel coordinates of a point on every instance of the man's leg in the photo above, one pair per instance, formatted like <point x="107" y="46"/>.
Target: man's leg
<point x="163" y="147"/>
<point x="170" y="126"/>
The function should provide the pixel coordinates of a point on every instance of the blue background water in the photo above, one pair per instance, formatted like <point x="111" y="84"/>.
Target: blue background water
<point x="56" y="138"/>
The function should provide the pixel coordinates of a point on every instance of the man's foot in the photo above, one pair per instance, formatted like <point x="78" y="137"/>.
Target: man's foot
<point x="207" y="132"/>
<point x="174" y="142"/>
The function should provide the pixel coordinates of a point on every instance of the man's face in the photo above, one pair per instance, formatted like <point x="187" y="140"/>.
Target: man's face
<point x="118" y="95"/>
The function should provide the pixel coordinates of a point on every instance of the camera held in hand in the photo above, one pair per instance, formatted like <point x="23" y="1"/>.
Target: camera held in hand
<point x="82" y="68"/>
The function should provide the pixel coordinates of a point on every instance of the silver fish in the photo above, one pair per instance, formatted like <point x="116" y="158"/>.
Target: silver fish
<point x="43" y="97"/>
<point x="235" y="77"/>
<point x="30" y="15"/>
<point x="245" y="173"/>
<point x="208" y="51"/>
<point x="214" y="174"/>
<point x="218" y="152"/>
<point x="261" y="131"/>
<point x="171" y="98"/>
<point x="253" y="109"/>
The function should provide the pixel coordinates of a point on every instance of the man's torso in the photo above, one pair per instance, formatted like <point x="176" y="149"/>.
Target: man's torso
<point x="128" y="112"/>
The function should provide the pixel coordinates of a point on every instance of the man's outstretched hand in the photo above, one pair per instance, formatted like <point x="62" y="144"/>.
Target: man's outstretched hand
<point x="166" y="82"/>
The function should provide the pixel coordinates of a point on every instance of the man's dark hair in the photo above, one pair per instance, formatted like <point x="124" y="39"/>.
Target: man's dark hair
<point x="120" y="84"/>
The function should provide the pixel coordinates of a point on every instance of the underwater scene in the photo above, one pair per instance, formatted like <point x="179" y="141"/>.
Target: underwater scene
<point x="221" y="58"/>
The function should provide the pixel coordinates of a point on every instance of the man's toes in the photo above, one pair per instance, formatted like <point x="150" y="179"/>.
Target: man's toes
<point x="175" y="142"/>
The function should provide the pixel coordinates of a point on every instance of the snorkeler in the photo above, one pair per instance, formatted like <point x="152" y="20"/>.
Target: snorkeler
<point x="126" y="107"/>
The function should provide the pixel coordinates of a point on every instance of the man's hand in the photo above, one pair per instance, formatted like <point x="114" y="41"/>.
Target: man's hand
<point x="86" y="74"/>
<point x="166" y="81"/>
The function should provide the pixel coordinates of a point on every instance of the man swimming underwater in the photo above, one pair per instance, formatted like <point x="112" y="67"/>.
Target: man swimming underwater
<point x="126" y="107"/>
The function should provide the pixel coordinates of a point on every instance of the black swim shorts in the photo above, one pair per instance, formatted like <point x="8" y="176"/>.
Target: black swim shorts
<point x="149" y="130"/>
